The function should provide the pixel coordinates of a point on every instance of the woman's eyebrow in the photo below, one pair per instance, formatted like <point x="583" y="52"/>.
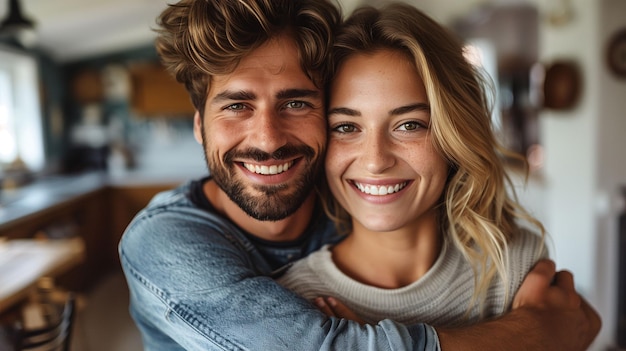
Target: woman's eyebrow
<point x="420" y="106"/>
<point x="343" y="111"/>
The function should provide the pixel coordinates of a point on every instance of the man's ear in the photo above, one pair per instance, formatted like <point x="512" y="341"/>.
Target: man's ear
<point x="197" y="127"/>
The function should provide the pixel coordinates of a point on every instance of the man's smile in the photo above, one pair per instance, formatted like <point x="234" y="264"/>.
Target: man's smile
<point x="268" y="170"/>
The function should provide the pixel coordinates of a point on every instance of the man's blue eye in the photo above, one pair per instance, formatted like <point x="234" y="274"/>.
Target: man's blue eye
<point x="295" y="104"/>
<point x="235" y="107"/>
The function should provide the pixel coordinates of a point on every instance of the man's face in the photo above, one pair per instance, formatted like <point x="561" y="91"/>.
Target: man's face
<point x="264" y="132"/>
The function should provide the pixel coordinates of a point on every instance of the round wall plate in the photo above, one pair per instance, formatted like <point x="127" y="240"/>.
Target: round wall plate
<point x="561" y="86"/>
<point x="616" y="53"/>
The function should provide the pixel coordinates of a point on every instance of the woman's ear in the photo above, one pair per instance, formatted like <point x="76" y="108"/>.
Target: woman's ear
<point x="197" y="127"/>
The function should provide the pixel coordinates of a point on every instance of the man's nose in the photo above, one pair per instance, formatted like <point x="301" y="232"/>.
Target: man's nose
<point x="268" y="131"/>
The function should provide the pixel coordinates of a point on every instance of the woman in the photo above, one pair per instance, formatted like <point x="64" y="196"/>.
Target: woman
<point x="418" y="181"/>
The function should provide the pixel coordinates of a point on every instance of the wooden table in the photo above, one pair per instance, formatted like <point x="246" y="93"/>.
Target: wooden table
<point x="23" y="262"/>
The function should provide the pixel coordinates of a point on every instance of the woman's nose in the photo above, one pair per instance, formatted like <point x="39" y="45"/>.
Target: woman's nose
<point x="377" y="155"/>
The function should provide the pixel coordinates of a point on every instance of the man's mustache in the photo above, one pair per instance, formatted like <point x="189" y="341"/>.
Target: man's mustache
<point x="285" y="152"/>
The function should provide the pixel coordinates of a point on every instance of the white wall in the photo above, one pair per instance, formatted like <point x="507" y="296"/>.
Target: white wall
<point x="611" y="166"/>
<point x="585" y="161"/>
<point x="575" y="195"/>
<point x="570" y="142"/>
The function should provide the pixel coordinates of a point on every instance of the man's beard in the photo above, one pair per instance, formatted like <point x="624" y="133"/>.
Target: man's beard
<point x="275" y="202"/>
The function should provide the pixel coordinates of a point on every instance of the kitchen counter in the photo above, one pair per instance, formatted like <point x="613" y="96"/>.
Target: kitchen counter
<point x="49" y="192"/>
<point x="24" y="262"/>
<point x="95" y="206"/>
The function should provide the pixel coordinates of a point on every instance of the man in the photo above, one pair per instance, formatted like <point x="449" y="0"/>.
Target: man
<point x="199" y="260"/>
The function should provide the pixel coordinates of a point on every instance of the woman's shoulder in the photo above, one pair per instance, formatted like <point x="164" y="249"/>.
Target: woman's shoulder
<point x="309" y="264"/>
<point x="528" y="243"/>
<point x="524" y="250"/>
<point x="304" y="277"/>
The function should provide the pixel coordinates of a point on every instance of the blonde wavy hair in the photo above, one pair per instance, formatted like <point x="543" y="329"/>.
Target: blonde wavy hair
<point x="476" y="212"/>
<point x="198" y="39"/>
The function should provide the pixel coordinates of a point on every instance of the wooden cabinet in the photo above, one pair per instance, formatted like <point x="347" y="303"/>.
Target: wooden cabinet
<point x="125" y="203"/>
<point x="87" y="86"/>
<point x="155" y="93"/>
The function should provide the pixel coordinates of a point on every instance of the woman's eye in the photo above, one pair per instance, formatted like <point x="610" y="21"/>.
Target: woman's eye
<point x="344" y="128"/>
<point x="410" y="126"/>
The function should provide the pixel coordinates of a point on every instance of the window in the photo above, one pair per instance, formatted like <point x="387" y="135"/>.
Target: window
<point x="21" y="136"/>
<point x="503" y="39"/>
<point x="482" y="54"/>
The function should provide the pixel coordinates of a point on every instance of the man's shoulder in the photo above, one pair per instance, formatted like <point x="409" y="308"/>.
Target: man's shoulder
<point x="178" y="206"/>
<point x="172" y="218"/>
<point x="174" y="232"/>
<point x="171" y="199"/>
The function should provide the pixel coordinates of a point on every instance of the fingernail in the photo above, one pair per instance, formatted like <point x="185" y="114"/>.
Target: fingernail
<point x="332" y="301"/>
<point x="319" y="302"/>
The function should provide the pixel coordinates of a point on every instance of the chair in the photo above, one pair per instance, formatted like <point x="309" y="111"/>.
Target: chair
<point x="54" y="337"/>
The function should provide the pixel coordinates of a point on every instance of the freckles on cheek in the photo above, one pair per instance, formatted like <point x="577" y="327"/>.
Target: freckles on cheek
<point x="332" y="155"/>
<point x="338" y="161"/>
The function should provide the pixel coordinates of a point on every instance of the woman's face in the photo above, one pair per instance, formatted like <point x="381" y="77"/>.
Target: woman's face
<point x="381" y="164"/>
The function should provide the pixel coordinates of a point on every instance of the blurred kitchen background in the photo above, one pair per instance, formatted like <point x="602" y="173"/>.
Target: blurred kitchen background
<point x="91" y="126"/>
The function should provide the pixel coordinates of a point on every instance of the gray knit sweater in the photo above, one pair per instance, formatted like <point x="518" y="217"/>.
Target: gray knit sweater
<point x="440" y="298"/>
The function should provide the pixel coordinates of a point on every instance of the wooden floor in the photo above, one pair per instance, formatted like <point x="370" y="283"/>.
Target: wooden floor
<point x="103" y="322"/>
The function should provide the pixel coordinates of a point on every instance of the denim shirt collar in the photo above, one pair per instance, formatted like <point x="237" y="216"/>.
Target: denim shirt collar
<point x="273" y="258"/>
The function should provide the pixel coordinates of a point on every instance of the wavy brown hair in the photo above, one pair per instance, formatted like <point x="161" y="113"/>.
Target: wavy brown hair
<point x="198" y="39"/>
<point x="479" y="211"/>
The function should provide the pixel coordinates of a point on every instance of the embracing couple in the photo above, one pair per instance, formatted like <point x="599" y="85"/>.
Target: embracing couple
<point x="356" y="200"/>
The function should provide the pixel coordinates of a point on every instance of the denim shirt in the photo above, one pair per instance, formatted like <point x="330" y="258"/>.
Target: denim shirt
<point x="198" y="282"/>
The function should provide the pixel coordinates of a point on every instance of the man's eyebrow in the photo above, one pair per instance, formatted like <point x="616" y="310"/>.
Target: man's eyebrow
<point x="297" y="93"/>
<point x="233" y="95"/>
<point x="420" y="106"/>
<point x="247" y="95"/>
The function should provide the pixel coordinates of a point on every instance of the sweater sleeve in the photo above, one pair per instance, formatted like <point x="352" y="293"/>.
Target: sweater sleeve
<point x="524" y="251"/>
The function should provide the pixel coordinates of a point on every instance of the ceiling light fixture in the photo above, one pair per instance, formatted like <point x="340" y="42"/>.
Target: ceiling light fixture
<point x="17" y="26"/>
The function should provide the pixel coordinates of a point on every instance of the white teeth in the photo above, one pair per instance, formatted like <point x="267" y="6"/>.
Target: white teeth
<point x="380" y="189"/>
<point x="268" y="170"/>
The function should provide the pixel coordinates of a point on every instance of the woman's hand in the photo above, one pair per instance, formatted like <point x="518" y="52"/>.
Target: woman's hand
<point x="334" y="308"/>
